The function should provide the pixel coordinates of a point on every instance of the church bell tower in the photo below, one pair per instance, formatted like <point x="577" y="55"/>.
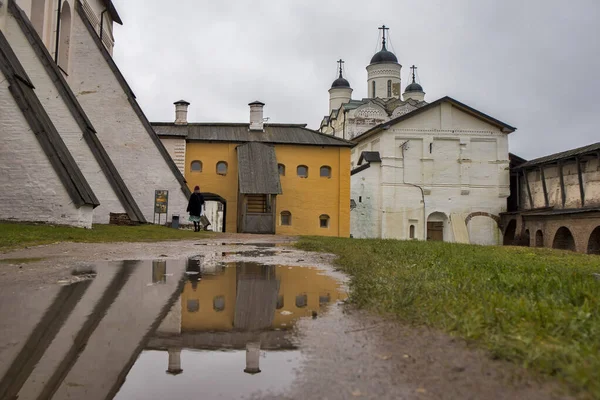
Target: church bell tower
<point x="340" y="91"/>
<point x="384" y="73"/>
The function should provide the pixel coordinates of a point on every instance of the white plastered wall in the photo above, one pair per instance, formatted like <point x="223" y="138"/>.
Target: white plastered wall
<point x="31" y="189"/>
<point x="460" y="162"/>
<point x="65" y="124"/>
<point x="119" y="128"/>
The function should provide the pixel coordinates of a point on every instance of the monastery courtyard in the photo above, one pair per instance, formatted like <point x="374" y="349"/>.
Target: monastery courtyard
<point x="252" y="316"/>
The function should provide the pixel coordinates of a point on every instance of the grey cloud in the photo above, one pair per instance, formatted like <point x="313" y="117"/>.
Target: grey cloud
<point x="533" y="64"/>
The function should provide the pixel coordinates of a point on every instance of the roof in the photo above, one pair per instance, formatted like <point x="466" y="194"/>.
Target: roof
<point x="132" y="101"/>
<point x="590" y="148"/>
<point x="463" y="107"/>
<point x="240" y="133"/>
<point x="384" y="56"/>
<point x="112" y="11"/>
<point x="413" y="87"/>
<point x="369" y="156"/>
<point x="43" y="129"/>
<point x="89" y="133"/>
<point x="257" y="169"/>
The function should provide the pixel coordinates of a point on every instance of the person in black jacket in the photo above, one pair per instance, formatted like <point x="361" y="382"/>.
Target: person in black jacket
<point x="195" y="208"/>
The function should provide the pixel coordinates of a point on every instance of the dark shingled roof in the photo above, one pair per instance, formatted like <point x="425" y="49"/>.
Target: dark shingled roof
<point x="591" y="148"/>
<point x="132" y="101"/>
<point x="257" y="169"/>
<point x="89" y="133"/>
<point x="240" y="133"/>
<point x="42" y="128"/>
<point x="369" y="156"/>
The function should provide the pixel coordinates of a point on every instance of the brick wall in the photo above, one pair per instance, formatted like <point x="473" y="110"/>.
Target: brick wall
<point x="31" y="189"/>
<point x="119" y="128"/>
<point x="65" y="124"/>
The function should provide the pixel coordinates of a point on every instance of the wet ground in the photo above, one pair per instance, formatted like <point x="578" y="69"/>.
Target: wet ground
<point x="242" y="317"/>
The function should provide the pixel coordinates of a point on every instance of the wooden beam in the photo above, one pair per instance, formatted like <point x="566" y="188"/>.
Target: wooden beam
<point x="581" y="188"/>
<point x="528" y="189"/>
<point x="563" y="193"/>
<point x="543" y="177"/>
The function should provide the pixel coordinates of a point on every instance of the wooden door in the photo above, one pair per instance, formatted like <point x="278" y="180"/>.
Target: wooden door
<point x="435" y="231"/>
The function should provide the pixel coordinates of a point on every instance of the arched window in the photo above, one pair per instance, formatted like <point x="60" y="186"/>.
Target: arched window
<point x="286" y="218"/>
<point x="324" y="221"/>
<point x="302" y="171"/>
<point x="373" y="90"/>
<point x="222" y="168"/>
<point x="64" y="45"/>
<point x="281" y="169"/>
<point x="280" y="302"/>
<point x="38" y="8"/>
<point x="389" y="88"/>
<point x="539" y="239"/>
<point x="412" y="232"/>
<point x="219" y="303"/>
<point x="196" y="166"/>
<point x="325" y="171"/>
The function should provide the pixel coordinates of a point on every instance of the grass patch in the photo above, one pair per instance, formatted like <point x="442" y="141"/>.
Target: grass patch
<point x="20" y="235"/>
<point x="536" y="307"/>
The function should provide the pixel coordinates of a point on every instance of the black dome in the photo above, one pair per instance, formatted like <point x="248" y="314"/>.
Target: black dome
<point x="340" y="83"/>
<point x="384" y="56"/>
<point x="413" y="87"/>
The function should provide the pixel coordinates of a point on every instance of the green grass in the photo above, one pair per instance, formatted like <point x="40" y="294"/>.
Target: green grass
<point x="20" y="235"/>
<point x="536" y="307"/>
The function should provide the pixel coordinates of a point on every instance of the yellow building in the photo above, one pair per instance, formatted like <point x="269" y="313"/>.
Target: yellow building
<point x="253" y="297"/>
<point x="270" y="178"/>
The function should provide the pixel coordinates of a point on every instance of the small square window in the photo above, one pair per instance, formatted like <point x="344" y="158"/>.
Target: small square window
<point x="281" y="169"/>
<point x="325" y="172"/>
<point x="302" y="171"/>
<point x="222" y="168"/>
<point x="324" y="221"/>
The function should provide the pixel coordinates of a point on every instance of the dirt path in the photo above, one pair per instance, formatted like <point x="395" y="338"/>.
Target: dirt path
<point x="346" y="353"/>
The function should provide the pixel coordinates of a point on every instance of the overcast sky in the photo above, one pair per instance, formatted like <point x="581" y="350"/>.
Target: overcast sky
<point x="533" y="64"/>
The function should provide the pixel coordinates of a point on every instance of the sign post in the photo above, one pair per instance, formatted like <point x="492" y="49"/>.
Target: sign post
<point x="161" y="204"/>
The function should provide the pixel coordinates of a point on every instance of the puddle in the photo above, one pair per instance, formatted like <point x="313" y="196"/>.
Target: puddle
<point x="162" y="329"/>
<point x="250" y="253"/>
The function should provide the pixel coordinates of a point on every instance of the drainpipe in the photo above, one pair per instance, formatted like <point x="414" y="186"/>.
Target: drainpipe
<point x="102" y="22"/>
<point x="57" y="31"/>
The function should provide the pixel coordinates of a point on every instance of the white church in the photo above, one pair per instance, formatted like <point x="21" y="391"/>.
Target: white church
<point x="420" y="170"/>
<point x="75" y="148"/>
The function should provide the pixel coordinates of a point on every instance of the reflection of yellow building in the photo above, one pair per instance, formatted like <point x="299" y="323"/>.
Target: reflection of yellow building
<point x="296" y="292"/>
<point x="271" y="178"/>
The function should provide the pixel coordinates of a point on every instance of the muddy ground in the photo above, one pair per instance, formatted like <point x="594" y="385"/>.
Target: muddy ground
<point x="347" y="353"/>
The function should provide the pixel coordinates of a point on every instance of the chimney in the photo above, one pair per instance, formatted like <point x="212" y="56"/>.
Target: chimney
<point x="252" y="358"/>
<point x="181" y="108"/>
<point x="256" y="115"/>
<point x="174" y="362"/>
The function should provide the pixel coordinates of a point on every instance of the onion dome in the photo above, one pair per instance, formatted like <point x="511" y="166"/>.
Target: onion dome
<point x="340" y="82"/>
<point x="384" y="56"/>
<point x="414" y="87"/>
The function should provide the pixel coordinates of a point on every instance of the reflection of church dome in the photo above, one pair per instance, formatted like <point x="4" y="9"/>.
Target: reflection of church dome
<point x="340" y="83"/>
<point x="384" y="56"/>
<point x="414" y="87"/>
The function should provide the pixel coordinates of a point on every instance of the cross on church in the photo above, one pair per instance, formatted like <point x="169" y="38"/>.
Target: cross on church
<point x="383" y="28"/>
<point x="340" y="61"/>
<point x="413" y="72"/>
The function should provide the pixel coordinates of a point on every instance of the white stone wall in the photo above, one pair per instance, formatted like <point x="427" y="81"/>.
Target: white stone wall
<point x="591" y="183"/>
<point x="365" y="219"/>
<point x="381" y="74"/>
<point x="459" y="161"/>
<point x="176" y="148"/>
<point x="65" y="123"/>
<point x="31" y="189"/>
<point x="119" y="128"/>
<point x="339" y="96"/>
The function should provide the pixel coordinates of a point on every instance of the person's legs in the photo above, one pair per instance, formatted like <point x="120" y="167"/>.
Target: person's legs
<point x="195" y="226"/>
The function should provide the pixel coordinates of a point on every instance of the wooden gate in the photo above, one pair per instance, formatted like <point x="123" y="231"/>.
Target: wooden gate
<point x="258" y="213"/>
<point x="435" y="231"/>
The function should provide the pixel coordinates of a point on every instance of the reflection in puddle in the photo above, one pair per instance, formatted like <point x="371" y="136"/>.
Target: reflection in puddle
<point x="165" y="328"/>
